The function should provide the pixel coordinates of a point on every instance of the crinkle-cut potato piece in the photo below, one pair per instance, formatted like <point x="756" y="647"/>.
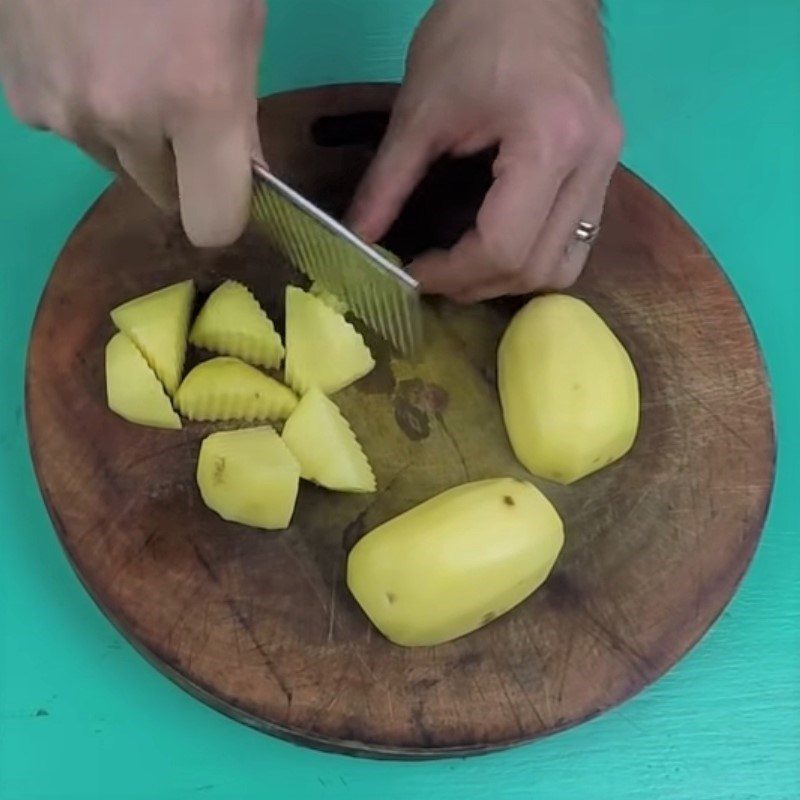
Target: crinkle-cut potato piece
<point x="158" y="323"/>
<point x="233" y="323"/>
<point x="329" y="298"/>
<point x="455" y="562"/>
<point x="326" y="447"/>
<point x="225" y="388"/>
<point x="322" y="348"/>
<point x="132" y="388"/>
<point x="249" y="476"/>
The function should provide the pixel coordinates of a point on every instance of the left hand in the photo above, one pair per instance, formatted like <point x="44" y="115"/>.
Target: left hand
<point x="530" y="76"/>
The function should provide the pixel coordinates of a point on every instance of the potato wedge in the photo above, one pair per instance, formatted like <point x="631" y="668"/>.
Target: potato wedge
<point x="326" y="447"/>
<point x="226" y="388"/>
<point x="157" y="323"/>
<point x="322" y="348"/>
<point x="455" y="562"/>
<point x="132" y="388"/>
<point x="249" y="476"/>
<point x="233" y="323"/>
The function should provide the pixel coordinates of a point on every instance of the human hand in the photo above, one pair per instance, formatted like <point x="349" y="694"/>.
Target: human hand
<point x="163" y="90"/>
<point x="529" y="76"/>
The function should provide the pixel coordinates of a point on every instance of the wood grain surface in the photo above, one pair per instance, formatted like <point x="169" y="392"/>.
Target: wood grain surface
<point x="261" y="625"/>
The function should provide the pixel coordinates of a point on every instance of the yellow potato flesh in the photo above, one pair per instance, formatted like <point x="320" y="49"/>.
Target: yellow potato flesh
<point x="158" y="323"/>
<point x="233" y="323"/>
<point x="249" y="476"/>
<point x="225" y="388"/>
<point x="455" y="562"/>
<point x="323" y="349"/>
<point x="326" y="447"/>
<point x="568" y="388"/>
<point x="132" y="388"/>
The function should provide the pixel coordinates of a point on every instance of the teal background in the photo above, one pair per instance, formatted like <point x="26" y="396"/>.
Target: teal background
<point x="710" y="91"/>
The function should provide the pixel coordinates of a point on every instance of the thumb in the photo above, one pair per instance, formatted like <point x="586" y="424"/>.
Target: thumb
<point x="213" y="164"/>
<point x="402" y="159"/>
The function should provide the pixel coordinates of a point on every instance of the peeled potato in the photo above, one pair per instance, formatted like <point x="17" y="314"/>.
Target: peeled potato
<point x="233" y="323"/>
<point x="157" y="323"/>
<point x="249" y="476"/>
<point x="323" y="349"/>
<point x="455" y="562"/>
<point x="133" y="390"/>
<point x="326" y="447"/>
<point x="568" y="388"/>
<point x="227" y="388"/>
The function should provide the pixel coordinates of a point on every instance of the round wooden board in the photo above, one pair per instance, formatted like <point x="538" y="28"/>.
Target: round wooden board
<point x="260" y="625"/>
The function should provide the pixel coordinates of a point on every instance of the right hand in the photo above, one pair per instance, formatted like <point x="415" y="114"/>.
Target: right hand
<point x="161" y="90"/>
<point x="530" y="76"/>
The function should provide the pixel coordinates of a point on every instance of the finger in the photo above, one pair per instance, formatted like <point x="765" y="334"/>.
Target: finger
<point x="558" y="257"/>
<point x="485" y="291"/>
<point x="507" y="226"/>
<point x="26" y="105"/>
<point x="149" y="161"/>
<point x="212" y="160"/>
<point x="77" y="129"/>
<point x="102" y="153"/>
<point x="97" y="149"/>
<point x="576" y="253"/>
<point x="55" y="118"/>
<point x="406" y="151"/>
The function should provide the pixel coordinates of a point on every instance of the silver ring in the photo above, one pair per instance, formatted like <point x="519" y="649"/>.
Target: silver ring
<point x="587" y="232"/>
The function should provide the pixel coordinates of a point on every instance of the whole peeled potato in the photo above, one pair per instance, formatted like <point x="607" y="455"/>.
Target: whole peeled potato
<point x="455" y="562"/>
<point x="568" y="389"/>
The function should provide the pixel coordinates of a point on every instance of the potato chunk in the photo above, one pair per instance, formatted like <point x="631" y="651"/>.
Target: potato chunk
<point x="233" y="323"/>
<point x="132" y="388"/>
<point x="322" y="348"/>
<point x="227" y="388"/>
<point x="157" y="324"/>
<point x="249" y="476"/>
<point x="326" y="447"/>
<point x="455" y="562"/>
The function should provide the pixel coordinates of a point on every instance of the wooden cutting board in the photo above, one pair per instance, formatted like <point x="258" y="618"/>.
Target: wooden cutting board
<point x="260" y="625"/>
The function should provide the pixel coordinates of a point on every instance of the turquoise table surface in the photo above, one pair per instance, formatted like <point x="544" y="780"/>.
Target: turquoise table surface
<point x="710" y="91"/>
